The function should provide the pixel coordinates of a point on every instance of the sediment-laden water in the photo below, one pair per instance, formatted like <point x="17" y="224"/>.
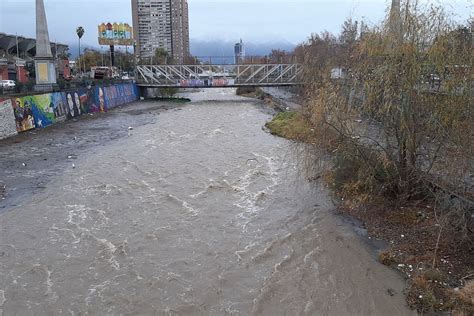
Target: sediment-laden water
<point x="200" y="212"/>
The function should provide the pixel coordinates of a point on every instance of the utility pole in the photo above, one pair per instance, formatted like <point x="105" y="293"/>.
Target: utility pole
<point x="17" y="50"/>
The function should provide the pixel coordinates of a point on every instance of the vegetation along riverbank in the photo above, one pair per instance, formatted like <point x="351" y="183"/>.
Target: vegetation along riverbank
<point x="388" y="113"/>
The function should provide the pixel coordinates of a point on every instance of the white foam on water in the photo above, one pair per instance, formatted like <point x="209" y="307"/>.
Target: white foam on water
<point x="108" y="250"/>
<point x="249" y="199"/>
<point x="52" y="296"/>
<point x="186" y="206"/>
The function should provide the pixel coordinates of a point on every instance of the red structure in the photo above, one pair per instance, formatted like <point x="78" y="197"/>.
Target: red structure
<point x="21" y="74"/>
<point x="3" y="72"/>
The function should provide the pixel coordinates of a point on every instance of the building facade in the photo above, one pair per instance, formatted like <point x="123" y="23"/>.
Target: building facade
<point x="239" y="52"/>
<point x="16" y="52"/>
<point x="161" y="24"/>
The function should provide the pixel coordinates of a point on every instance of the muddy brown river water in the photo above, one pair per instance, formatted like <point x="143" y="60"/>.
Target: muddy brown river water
<point x="197" y="211"/>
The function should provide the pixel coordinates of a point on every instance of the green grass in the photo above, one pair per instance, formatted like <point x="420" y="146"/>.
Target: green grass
<point x="288" y="125"/>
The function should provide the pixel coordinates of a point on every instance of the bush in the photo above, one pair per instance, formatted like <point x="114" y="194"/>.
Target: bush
<point x="167" y="92"/>
<point x="19" y="87"/>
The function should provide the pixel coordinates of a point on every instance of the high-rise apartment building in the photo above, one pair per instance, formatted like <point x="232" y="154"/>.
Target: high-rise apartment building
<point x="239" y="52"/>
<point x="161" y="24"/>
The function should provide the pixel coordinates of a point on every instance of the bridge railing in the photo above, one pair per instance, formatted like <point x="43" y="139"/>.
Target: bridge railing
<point x="219" y="75"/>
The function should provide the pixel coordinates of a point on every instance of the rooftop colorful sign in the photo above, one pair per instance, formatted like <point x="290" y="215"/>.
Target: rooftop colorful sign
<point x="115" y="34"/>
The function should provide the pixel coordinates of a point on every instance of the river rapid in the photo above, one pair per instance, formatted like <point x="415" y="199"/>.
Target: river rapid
<point x="197" y="212"/>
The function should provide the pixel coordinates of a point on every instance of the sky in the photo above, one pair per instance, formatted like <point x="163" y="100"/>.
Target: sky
<point x="228" y="20"/>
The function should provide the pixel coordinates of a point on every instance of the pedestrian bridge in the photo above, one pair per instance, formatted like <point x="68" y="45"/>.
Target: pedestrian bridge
<point x="213" y="76"/>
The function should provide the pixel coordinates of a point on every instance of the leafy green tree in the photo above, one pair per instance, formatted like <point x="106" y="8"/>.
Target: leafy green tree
<point x="161" y="57"/>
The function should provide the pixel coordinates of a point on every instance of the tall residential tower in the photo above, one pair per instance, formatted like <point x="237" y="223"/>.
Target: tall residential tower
<point x="161" y="24"/>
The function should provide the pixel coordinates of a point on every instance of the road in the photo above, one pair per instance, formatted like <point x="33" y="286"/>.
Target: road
<point x="194" y="211"/>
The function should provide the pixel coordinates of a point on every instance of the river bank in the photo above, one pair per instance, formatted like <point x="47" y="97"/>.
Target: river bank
<point x="420" y="241"/>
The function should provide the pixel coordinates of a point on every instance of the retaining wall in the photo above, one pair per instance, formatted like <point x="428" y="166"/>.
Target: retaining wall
<point x="20" y="114"/>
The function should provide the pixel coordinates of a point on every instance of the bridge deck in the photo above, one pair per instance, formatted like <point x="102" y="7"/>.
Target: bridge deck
<point x="213" y="76"/>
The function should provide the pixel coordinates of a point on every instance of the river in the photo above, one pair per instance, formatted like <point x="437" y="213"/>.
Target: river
<point x="196" y="211"/>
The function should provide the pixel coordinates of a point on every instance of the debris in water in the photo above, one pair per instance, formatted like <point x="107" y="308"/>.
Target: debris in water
<point x="391" y="292"/>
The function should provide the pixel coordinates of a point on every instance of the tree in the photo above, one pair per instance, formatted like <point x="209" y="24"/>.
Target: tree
<point x="349" y="32"/>
<point x="80" y="32"/>
<point x="90" y="58"/>
<point x="415" y="133"/>
<point x="278" y="56"/>
<point x="161" y="57"/>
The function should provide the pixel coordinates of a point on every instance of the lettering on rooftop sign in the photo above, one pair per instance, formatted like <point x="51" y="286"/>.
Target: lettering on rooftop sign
<point x="120" y="34"/>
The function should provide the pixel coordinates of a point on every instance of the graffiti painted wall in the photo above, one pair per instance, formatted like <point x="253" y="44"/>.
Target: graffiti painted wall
<point x="40" y="111"/>
<point x="119" y="94"/>
<point x="7" y="119"/>
<point x="23" y="115"/>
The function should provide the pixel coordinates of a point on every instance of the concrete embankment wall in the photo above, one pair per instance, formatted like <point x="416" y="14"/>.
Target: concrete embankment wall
<point x="20" y="114"/>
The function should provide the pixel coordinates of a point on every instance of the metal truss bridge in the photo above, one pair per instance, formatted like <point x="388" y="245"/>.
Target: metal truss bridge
<point x="213" y="76"/>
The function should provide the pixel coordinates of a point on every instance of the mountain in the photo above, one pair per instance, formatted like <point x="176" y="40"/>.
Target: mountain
<point x="223" y="51"/>
<point x="219" y="51"/>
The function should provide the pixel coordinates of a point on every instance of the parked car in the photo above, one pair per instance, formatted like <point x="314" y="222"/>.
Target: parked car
<point x="7" y="84"/>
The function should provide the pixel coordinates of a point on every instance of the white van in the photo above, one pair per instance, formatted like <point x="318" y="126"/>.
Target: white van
<point x="7" y="84"/>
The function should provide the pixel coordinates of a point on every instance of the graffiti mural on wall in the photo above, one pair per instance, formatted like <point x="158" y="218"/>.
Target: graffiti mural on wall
<point x="59" y="106"/>
<point x="23" y="115"/>
<point x="7" y="119"/>
<point x="119" y="94"/>
<point x="40" y="111"/>
<point x="42" y="108"/>
<point x="73" y="105"/>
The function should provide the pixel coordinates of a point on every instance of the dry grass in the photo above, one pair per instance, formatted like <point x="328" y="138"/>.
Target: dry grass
<point x="465" y="298"/>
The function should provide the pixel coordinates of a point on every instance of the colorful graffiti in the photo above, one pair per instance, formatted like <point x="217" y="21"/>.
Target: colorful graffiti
<point x="40" y="111"/>
<point x="222" y="82"/>
<point x="192" y="83"/>
<point x="42" y="108"/>
<point x="119" y="94"/>
<point x="218" y="82"/>
<point x="23" y="115"/>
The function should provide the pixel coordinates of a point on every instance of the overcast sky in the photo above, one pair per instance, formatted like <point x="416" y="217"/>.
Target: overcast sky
<point x="252" y="20"/>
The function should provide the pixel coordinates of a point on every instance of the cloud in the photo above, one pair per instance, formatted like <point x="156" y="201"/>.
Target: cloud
<point x="253" y="20"/>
